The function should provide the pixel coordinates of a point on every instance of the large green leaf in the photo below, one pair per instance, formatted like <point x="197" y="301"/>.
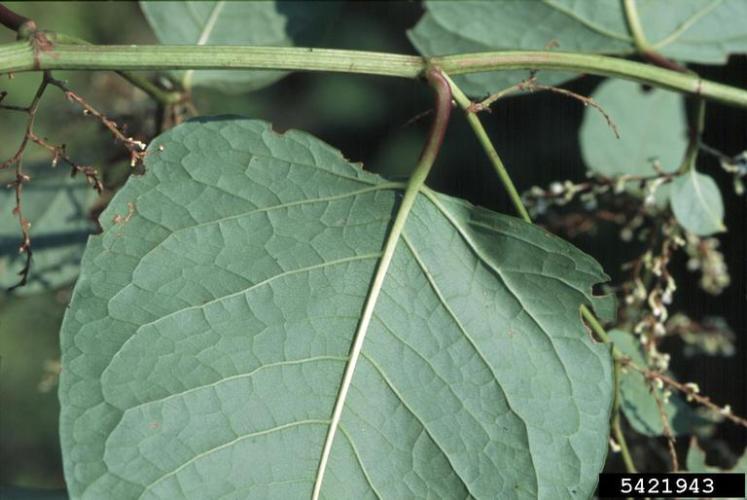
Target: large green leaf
<point x="639" y="402"/>
<point x="207" y="336"/>
<point x="270" y="23"/>
<point x="652" y="127"/>
<point x="57" y="207"/>
<point x="704" y="31"/>
<point x="697" y="204"/>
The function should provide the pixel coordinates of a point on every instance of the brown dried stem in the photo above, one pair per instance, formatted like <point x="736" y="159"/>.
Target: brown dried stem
<point x="134" y="146"/>
<point x="687" y="390"/>
<point x="667" y="430"/>
<point x="20" y="179"/>
<point x="60" y="153"/>
<point x="531" y="85"/>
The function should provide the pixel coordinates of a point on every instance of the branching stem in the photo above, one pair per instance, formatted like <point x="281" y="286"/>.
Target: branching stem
<point x="482" y="136"/>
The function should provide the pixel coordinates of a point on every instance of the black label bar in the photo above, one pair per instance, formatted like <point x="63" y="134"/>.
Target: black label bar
<point x="671" y="485"/>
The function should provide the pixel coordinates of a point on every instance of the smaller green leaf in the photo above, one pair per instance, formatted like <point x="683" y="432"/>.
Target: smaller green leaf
<point x="57" y="207"/>
<point x="652" y="127"/>
<point x="639" y="403"/>
<point x="697" y="204"/>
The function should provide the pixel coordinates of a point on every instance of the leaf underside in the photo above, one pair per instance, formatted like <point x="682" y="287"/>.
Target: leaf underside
<point x="697" y="203"/>
<point x="221" y="22"/>
<point x="701" y="31"/>
<point x="653" y="129"/>
<point x="207" y="335"/>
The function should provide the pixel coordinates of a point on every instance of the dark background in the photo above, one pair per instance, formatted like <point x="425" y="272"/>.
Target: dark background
<point x="368" y="118"/>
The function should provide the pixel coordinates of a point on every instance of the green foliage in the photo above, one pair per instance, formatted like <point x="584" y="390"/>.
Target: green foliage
<point x="695" y="31"/>
<point x="30" y="352"/>
<point x="58" y="208"/>
<point x="217" y="320"/>
<point x="237" y="23"/>
<point x="639" y="400"/>
<point x="697" y="204"/>
<point x="652" y="126"/>
<point x="213" y="318"/>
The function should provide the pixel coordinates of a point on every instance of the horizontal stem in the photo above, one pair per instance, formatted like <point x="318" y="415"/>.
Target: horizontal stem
<point x="139" y="80"/>
<point x="20" y="56"/>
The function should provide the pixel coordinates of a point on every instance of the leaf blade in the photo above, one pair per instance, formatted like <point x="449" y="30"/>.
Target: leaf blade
<point x="243" y="355"/>
<point x="697" y="203"/>
<point x="695" y="31"/>
<point x="236" y="23"/>
<point x="652" y="128"/>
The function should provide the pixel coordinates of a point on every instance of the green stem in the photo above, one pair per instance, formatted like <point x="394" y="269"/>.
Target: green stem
<point x="595" y="325"/>
<point x="642" y="45"/>
<point x="624" y="451"/>
<point x="616" y="427"/>
<point x="696" y="132"/>
<point x="635" y="26"/>
<point x="414" y="186"/>
<point x="495" y="160"/>
<point x="164" y="97"/>
<point x="19" y="56"/>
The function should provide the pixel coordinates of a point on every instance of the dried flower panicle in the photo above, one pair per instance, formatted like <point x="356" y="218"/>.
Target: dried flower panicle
<point x="704" y="256"/>
<point x="711" y="336"/>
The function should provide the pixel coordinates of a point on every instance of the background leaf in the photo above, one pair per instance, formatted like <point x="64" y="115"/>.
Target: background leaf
<point x="271" y="23"/>
<point x="206" y="338"/>
<point x="696" y="462"/>
<point x="639" y="404"/>
<point x="696" y="31"/>
<point x="57" y="207"/>
<point x="29" y="358"/>
<point x="9" y="493"/>
<point x="652" y="126"/>
<point x="697" y="204"/>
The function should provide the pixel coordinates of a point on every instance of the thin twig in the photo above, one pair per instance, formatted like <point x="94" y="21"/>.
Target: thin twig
<point x="586" y="101"/>
<point x="134" y="146"/>
<point x="616" y="428"/>
<point x="20" y="179"/>
<point x="60" y="153"/>
<point x="668" y="434"/>
<point x="530" y="85"/>
<point x="485" y="104"/>
<point x="688" y="390"/>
